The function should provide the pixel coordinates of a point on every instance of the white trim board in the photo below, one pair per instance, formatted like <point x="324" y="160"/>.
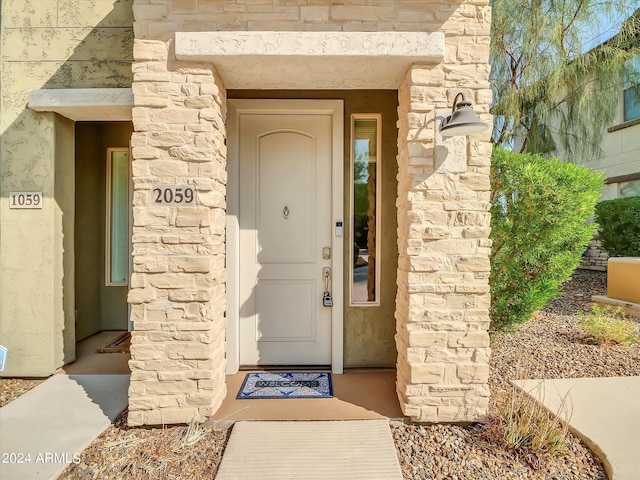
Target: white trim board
<point x="311" y="60"/>
<point x="85" y="104"/>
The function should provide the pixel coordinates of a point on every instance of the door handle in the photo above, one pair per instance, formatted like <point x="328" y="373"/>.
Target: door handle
<point x="327" y="300"/>
<point x="326" y="274"/>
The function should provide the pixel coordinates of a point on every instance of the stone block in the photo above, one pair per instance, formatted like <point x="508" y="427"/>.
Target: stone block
<point x="147" y="352"/>
<point x="427" y="414"/>
<point x="171" y="280"/>
<point x="190" y="295"/>
<point x="191" y="154"/>
<point x="426" y="373"/>
<point x="475" y="181"/>
<point x="192" y="217"/>
<point x="170" y="138"/>
<point x="151" y="216"/>
<point x="175" y="387"/>
<point x="422" y="338"/>
<point x="314" y="13"/>
<point x="468" y="339"/>
<point x="473" y="372"/>
<point x="167" y="168"/>
<point x="141" y="295"/>
<point x="135" y="418"/>
<point x="449" y="414"/>
<point x="175" y="116"/>
<point x="200" y="399"/>
<point x="427" y="76"/>
<point x="473" y="264"/>
<point x="150" y="264"/>
<point x="170" y="416"/>
<point x="190" y="264"/>
<point x="150" y="50"/>
<point x="190" y="351"/>
<point x="364" y="13"/>
<point x="145" y="403"/>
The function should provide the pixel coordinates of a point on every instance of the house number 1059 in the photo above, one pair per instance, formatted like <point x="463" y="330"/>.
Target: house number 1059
<point x="25" y="200"/>
<point x="173" y="194"/>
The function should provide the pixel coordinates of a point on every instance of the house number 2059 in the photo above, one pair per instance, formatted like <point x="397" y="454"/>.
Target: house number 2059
<point x="173" y="194"/>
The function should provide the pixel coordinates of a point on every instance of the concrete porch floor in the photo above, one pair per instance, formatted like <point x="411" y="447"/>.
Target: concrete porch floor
<point x="358" y="393"/>
<point x="88" y="362"/>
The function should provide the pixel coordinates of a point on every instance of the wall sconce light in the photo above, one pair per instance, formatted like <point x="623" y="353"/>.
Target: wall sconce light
<point x="463" y="120"/>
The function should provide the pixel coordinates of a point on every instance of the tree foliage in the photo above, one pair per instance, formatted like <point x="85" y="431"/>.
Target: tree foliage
<point x="549" y="94"/>
<point x="538" y="228"/>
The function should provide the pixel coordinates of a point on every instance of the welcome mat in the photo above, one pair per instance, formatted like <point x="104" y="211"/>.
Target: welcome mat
<point x="120" y="345"/>
<point x="286" y="385"/>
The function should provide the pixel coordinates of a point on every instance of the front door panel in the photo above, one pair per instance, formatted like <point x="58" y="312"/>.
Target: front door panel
<point x="285" y="221"/>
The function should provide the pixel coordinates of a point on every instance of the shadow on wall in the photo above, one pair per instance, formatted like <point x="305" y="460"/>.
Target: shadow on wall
<point x="49" y="45"/>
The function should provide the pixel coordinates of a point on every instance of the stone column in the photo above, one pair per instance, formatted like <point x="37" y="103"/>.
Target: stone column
<point x="443" y="268"/>
<point x="177" y="291"/>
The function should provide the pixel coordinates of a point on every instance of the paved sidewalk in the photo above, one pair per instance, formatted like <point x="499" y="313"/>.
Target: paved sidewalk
<point x="46" y="428"/>
<point x="334" y="450"/>
<point x="604" y="412"/>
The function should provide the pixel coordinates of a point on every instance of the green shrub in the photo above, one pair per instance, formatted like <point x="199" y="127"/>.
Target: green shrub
<point x="607" y="325"/>
<point x="539" y="211"/>
<point x="619" y="222"/>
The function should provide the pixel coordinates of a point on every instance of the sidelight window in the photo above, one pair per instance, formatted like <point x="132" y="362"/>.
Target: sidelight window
<point x="364" y="271"/>
<point x="117" y="225"/>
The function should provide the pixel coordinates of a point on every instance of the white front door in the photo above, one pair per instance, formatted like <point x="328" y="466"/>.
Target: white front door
<point x="285" y="237"/>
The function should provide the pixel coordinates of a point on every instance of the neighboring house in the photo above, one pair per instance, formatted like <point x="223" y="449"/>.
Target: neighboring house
<point x="195" y="163"/>
<point x="620" y="159"/>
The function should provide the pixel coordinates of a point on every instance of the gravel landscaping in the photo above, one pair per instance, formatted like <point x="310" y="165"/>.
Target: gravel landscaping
<point x="12" y="388"/>
<point x="551" y="345"/>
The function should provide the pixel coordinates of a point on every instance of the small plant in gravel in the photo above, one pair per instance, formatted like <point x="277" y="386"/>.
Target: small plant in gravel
<point x="605" y="325"/>
<point x="525" y="427"/>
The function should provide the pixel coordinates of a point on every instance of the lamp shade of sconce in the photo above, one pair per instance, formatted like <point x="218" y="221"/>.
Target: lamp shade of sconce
<point x="463" y="120"/>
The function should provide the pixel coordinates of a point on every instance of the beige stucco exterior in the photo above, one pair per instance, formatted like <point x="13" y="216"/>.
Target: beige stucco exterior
<point x="47" y="44"/>
<point x="178" y="284"/>
<point x="618" y="161"/>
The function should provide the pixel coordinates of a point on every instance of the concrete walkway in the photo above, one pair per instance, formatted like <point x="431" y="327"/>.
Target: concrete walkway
<point x="45" y="429"/>
<point x="604" y="412"/>
<point x="353" y="449"/>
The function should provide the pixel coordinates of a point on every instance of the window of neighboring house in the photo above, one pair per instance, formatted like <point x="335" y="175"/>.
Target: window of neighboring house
<point x="630" y="189"/>
<point x="632" y="103"/>
<point x="117" y="241"/>
<point x="631" y="94"/>
<point x="364" y="275"/>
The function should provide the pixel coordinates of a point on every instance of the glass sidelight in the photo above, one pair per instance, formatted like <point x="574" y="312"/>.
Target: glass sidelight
<point x="117" y="225"/>
<point x="364" y="274"/>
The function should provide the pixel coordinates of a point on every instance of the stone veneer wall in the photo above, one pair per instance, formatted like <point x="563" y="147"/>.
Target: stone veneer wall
<point x="443" y="202"/>
<point x="177" y="293"/>
<point x="594" y="257"/>
<point x="443" y="268"/>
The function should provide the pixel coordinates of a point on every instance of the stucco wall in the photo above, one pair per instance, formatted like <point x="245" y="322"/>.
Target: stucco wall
<point x="47" y="44"/>
<point x="620" y="152"/>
